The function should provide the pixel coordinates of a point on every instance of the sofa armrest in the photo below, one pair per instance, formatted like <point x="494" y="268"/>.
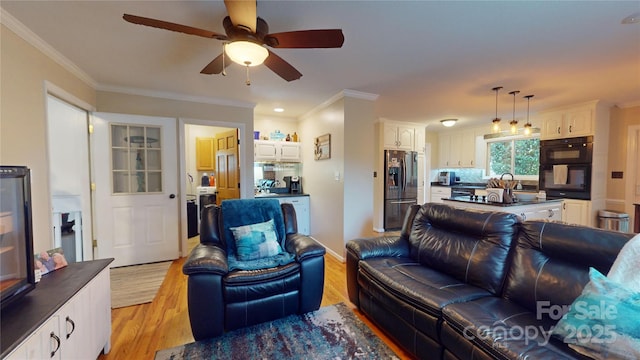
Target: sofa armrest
<point x="303" y="247"/>
<point x="206" y="259"/>
<point x="382" y="246"/>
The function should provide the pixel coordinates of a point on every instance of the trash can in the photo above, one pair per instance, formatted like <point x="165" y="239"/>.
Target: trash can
<point x="613" y="220"/>
<point x="192" y="218"/>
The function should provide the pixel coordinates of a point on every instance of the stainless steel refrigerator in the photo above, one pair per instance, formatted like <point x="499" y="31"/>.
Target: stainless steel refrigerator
<point x="401" y="186"/>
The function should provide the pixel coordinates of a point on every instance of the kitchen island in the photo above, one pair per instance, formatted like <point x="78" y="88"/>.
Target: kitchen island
<point x="527" y="210"/>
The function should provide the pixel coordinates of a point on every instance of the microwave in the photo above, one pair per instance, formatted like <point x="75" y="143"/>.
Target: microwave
<point x="578" y="150"/>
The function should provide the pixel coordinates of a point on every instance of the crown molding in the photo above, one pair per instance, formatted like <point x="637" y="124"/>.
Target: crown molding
<point x="173" y="96"/>
<point x="629" y="104"/>
<point x="341" y="95"/>
<point x="34" y="40"/>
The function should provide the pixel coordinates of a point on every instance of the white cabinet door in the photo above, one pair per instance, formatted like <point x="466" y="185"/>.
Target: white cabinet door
<point x="551" y="126"/>
<point x="578" y="122"/>
<point x="100" y="298"/>
<point x="444" y="150"/>
<point x="290" y="151"/>
<point x="264" y="151"/>
<point x="440" y="192"/>
<point x="542" y="213"/>
<point x="301" y="205"/>
<point x="44" y="343"/>
<point x="398" y="137"/>
<point x="420" y="140"/>
<point x="468" y="149"/>
<point x="76" y="327"/>
<point x="576" y="212"/>
<point x="406" y="138"/>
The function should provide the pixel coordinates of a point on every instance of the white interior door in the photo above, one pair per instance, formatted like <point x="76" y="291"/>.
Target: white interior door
<point x="136" y="177"/>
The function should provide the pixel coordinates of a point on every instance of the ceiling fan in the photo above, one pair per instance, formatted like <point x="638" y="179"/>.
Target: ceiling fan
<point x="244" y="30"/>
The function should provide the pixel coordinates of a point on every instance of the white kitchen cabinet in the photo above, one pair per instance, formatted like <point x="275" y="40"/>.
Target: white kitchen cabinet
<point x="420" y="144"/>
<point x="547" y="210"/>
<point x="457" y="149"/>
<point x="79" y="329"/>
<point x="577" y="212"/>
<point x="440" y="192"/>
<point x="286" y="151"/>
<point x="398" y="137"/>
<point x="301" y="205"/>
<point x="567" y="123"/>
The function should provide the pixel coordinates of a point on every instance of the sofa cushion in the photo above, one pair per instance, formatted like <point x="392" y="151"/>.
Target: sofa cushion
<point x="501" y="328"/>
<point x="422" y="288"/>
<point x="551" y="261"/>
<point x="471" y="246"/>
<point x="604" y="321"/>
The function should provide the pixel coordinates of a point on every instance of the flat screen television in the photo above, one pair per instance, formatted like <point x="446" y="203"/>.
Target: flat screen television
<point x="17" y="275"/>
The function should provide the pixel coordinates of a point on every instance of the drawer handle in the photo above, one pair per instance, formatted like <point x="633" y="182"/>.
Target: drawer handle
<point x="57" y="339"/>
<point x="73" y="326"/>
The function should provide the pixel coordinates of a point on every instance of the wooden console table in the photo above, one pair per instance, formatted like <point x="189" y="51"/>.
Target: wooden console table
<point x="75" y="300"/>
<point x="636" y="222"/>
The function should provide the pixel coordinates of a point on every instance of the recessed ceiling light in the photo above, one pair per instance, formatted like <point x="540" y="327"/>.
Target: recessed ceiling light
<point x="278" y="109"/>
<point x="632" y="19"/>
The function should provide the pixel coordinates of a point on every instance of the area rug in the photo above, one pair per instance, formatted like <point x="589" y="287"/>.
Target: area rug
<point x="137" y="284"/>
<point x="332" y="332"/>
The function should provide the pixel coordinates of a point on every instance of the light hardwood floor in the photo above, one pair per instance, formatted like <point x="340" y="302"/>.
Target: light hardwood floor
<point x="139" y="331"/>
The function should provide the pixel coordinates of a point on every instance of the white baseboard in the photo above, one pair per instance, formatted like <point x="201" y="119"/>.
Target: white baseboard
<point x="331" y="252"/>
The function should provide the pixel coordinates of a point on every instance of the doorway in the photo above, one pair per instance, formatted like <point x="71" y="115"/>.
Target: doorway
<point x="69" y="178"/>
<point x="194" y="195"/>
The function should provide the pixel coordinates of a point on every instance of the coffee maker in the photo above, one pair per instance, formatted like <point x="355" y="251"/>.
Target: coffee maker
<point x="294" y="184"/>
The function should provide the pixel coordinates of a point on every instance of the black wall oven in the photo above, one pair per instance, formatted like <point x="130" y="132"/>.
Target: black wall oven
<point x="565" y="167"/>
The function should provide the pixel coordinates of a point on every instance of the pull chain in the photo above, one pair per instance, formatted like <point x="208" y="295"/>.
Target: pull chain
<point x="224" y="54"/>
<point x="248" y="82"/>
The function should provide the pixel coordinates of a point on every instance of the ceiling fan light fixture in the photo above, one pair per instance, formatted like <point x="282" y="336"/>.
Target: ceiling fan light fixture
<point x="246" y="53"/>
<point x="448" y="122"/>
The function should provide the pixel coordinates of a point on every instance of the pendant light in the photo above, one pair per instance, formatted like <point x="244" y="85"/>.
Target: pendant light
<point x="496" y="120"/>
<point x="514" y="122"/>
<point x="527" y="126"/>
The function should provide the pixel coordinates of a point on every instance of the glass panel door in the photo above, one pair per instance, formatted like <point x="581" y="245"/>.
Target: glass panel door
<point x="136" y="159"/>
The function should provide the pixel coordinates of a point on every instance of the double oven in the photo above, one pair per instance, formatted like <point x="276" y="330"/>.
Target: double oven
<point x="565" y="167"/>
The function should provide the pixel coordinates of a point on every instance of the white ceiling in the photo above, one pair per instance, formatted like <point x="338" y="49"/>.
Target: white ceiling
<point x="427" y="60"/>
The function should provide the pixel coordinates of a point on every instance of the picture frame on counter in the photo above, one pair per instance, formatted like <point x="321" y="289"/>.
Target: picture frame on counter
<point x="322" y="147"/>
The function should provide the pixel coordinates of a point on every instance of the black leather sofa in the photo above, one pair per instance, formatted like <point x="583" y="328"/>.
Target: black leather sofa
<point x="459" y="284"/>
<point x="222" y="299"/>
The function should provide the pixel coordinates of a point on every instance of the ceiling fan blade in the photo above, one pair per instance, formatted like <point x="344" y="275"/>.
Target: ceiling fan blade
<point x="242" y="13"/>
<point x="215" y="66"/>
<point x="328" y="38"/>
<point x="173" y="27"/>
<point x="281" y="67"/>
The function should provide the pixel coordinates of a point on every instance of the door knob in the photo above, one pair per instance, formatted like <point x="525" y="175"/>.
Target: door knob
<point x="172" y="196"/>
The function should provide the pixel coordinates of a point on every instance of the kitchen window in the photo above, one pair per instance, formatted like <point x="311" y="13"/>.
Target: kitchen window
<point x="518" y="155"/>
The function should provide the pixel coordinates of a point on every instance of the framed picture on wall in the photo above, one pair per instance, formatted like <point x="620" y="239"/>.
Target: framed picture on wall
<point x="322" y="145"/>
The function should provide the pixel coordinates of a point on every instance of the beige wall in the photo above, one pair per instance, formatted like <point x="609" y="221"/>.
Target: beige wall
<point x="23" y="123"/>
<point x="621" y="119"/>
<point x="327" y="194"/>
<point x="341" y="188"/>
<point x="359" y="165"/>
<point x="268" y="124"/>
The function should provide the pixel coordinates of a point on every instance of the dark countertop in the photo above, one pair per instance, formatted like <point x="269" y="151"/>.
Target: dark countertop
<point x="465" y="199"/>
<point x="277" y="195"/>
<point x="463" y="185"/>
<point x="24" y="316"/>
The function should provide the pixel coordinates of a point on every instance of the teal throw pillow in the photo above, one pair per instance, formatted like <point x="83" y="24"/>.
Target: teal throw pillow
<point x="256" y="241"/>
<point x="604" y="321"/>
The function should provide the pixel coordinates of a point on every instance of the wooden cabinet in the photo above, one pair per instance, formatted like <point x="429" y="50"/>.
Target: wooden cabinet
<point x="398" y="137"/>
<point x="205" y="154"/>
<point x="577" y="212"/>
<point x="567" y="123"/>
<point x="457" y="149"/>
<point x="285" y="151"/>
<point x="548" y="210"/>
<point x="67" y="325"/>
